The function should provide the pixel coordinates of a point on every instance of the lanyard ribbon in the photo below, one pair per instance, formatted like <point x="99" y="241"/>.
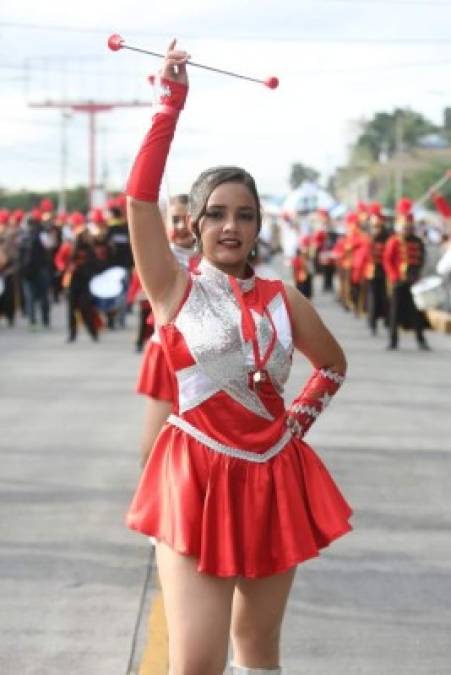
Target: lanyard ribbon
<point x="249" y="329"/>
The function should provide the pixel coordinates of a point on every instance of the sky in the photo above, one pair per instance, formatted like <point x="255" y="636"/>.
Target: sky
<point x="338" y="61"/>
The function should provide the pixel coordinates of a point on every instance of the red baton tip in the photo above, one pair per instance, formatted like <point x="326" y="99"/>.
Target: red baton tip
<point x="272" y="82"/>
<point x="115" y="42"/>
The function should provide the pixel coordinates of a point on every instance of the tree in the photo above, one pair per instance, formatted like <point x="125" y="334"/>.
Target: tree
<point x="76" y="198"/>
<point x="418" y="183"/>
<point x="384" y="134"/>
<point x="447" y="126"/>
<point x="301" y="172"/>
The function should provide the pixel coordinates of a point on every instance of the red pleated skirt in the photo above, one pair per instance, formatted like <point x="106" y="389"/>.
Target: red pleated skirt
<point x="238" y="518"/>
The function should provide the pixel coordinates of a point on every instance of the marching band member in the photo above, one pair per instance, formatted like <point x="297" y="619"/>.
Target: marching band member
<point x="301" y="267"/>
<point x="233" y="495"/>
<point x="403" y="260"/>
<point x="371" y="267"/>
<point x="324" y="240"/>
<point x="81" y="266"/>
<point x="118" y="240"/>
<point x="345" y="253"/>
<point x="8" y="266"/>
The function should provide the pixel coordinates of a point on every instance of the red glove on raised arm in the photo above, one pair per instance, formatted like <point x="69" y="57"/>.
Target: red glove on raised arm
<point x="147" y="172"/>
<point x="312" y="400"/>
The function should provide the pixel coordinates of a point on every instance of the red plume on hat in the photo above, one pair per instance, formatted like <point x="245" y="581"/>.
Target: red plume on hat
<point x="46" y="205"/>
<point x="119" y="203"/>
<point x="375" y="209"/>
<point x="4" y="216"/>
<point x="17" y="216"/>
<point x="97" y="216"/>
<point x="61" y="218"/>
<point x="362" y="207"/>
<point x="404" y="207"/>
<point x="36" y="214"/>
<point x="76" y="219"/>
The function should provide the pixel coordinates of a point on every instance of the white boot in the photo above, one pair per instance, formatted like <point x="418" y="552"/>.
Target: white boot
<point x="242" y="670"/>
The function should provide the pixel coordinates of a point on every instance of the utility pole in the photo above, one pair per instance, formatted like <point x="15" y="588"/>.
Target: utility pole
<point x="399" y="177"/>
<point x="91" y="108"/>
<point x="62" y="206"/>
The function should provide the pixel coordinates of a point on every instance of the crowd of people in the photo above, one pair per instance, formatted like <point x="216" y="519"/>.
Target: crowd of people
<point x="371" y="264"/>
<point x="45" y="256"/>
<point x="375" y="261"/>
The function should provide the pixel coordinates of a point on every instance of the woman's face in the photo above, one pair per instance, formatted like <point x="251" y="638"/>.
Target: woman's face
<point x="229" y="227"/>
<point x="177" y="225"/>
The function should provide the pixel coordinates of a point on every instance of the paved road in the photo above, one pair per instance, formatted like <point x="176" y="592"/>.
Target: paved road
<point x="379" y="601"/>
<point x="70" y="572"/>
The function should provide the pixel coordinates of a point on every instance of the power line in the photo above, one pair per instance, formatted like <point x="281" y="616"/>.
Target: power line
<point x="377" y="68"/>
<point x="407" y="3"/>
<point x="319" y="71"/>
<point x="252" y="37"/>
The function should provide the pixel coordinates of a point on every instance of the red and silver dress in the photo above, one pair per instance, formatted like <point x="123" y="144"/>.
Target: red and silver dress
<point x="226" y="481"/>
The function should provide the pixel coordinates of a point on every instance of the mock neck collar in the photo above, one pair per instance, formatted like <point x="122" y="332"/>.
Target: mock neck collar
<point x="222" y="279"/>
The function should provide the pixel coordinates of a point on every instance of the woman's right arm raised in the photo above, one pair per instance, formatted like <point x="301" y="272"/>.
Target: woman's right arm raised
<point x="162" y="278"/>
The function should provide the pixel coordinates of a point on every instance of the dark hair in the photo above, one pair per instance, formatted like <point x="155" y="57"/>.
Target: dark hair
<point x="116" y="211"/>
<point x="179" y="199"/>
<point x="208" y="180"/>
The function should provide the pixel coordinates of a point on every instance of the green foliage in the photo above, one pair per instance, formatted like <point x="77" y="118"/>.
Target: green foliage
<point x="386" y="131"/>
<point x="447" y="127"/>
<point x="415" y="185"/>
<point x="77" y="199"/>
<point x="301" y="172"/>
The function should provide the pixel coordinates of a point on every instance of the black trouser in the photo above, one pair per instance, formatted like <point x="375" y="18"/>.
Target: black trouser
<point x="7" y="299"/>
<point x="328" y="277"/>
<point x="79" y="298"/>
<point x="404" y="312"/>
<point x="357" y="291"/>
<point x="57" y="286"/>
<point x="376" y="302"/>
<point x="144" y="330"/>
<point x="36" y="290"/>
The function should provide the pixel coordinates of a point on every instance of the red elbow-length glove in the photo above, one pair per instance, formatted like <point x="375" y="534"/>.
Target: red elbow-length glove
<point x="147" y="171"/>
<point x="312" y="400"/>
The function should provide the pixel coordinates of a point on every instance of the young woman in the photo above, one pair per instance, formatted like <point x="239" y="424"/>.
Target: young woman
<point x="231" y="493"/>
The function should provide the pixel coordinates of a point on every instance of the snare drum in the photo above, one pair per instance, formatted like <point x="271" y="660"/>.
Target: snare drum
<point x="108" y="288"/>
<point x="429" y="293"/>
<point x="444" y="264"/>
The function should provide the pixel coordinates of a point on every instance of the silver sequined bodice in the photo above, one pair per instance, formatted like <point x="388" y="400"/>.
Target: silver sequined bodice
<point x="210" y="322"/>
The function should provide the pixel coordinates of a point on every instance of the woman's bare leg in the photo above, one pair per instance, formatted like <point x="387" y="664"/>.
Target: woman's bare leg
<point x="257" y="614"/>
<point x="198" y="610"/>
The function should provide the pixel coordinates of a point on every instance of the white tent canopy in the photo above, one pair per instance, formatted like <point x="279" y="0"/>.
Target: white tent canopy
<point x="308" y="197"/>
